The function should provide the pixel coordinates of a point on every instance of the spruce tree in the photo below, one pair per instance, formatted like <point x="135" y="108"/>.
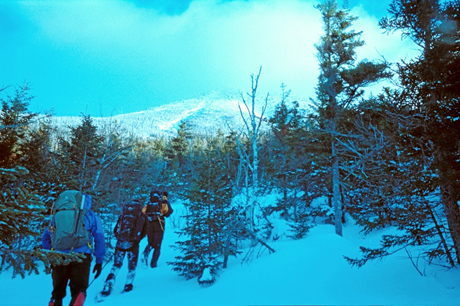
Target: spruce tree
<point x="290" y="164"/>
<point x="340" y="82"/>
<point x="25" y="183"/>
<point x="84" y="149"/>
<point x="285" y="126"/>
<point x="179" y="146"/>
<point x="177" y="159"/>
<point x="209" y="234"/>
<point x="14" y="121"/>
<point x="424" y="114"/>
<point x="22" y="212"/>
<point x="41" y="161"/>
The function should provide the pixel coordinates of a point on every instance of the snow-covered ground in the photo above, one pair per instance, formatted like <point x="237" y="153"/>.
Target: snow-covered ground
<point x="302" y="272"/>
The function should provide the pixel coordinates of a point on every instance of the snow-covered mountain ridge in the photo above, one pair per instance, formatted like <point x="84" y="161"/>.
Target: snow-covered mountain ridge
<point x="205" y="114"/>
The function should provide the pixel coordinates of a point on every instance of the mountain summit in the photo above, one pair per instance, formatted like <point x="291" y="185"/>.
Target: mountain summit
<point x="205" y="114"/>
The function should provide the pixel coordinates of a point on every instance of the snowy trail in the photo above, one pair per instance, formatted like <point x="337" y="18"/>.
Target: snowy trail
<point x="307" y="271"/>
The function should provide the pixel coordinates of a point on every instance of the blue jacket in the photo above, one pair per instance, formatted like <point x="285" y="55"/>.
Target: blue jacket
<point x="94" y="225"/>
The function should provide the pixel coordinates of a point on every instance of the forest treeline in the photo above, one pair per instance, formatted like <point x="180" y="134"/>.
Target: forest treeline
<point x="391" y="159"/>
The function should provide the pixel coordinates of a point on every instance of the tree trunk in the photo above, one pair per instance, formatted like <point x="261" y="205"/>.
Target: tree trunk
<point x="295" y="205"/>
<point x="336" y="191"/>
<point x="452" y="211"/>
<point x="82" y="173"/>
<point x="441" y="236"/>
<point x="255" y="177"/>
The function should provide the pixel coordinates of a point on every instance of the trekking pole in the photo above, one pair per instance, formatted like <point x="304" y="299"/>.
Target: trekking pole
<point x="110" y="259"/>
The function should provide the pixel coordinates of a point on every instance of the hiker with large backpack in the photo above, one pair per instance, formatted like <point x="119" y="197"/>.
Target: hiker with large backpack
<point x="72" y="229"/>
<point x="131" y="227"/>
<point x="156" y="210"/>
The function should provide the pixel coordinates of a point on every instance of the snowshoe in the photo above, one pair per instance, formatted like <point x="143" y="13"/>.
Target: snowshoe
<point x="100" y="297"/>
<point x="107" y="290"/>
<point x="128" y="288"/>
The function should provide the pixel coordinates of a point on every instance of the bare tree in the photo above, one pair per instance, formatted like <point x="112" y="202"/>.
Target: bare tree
<point x="252" y="123"/>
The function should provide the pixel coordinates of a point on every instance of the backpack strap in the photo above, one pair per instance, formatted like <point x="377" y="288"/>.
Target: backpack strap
<point x="117" y="225"/>
<point x="82" y="204"/>
<point x="161" y="225"/>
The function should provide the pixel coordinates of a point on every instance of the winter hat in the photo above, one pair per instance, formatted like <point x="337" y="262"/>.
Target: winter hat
<point x="154" y="196"/>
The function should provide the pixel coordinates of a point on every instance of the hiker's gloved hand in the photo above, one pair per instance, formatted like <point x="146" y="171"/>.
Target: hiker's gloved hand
<point x="98" y="269"/>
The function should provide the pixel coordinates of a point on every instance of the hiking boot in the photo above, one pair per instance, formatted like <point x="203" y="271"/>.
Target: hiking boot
<point x="155" y="256"/>
<point x="128" y="288"/>
<point x="108" y="286"/>
<point x="106" y="291"/>
<point x="55" y="302"/>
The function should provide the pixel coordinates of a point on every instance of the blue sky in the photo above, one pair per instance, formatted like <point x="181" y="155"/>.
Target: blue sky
<point x="106" y="57"/>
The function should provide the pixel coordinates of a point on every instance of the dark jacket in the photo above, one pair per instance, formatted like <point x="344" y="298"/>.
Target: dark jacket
<point x="156" y="212"/>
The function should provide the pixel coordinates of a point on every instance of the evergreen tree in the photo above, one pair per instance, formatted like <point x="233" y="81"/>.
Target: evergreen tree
<point x="340" y="82"/>
<point x="177" y="155"/>
<point x="230" y="157"/>
<point x="210" y="236"/>
<point x="25" y="140"/>
<point x="21" y="212"/>
<point x="286" y="129"/>
<point x="179" y="146"/>
<point x="288" y="165"/>
<point x="26" y="181"/>
<point x="14" y="121"/>
<point x="84" y="149"/>
<point x="41" y="161"/>
<point x="426" y="129"/>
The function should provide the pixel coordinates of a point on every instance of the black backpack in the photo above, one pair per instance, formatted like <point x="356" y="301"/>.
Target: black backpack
<point x="130" y="223"/>
<point x="153" y="211"/>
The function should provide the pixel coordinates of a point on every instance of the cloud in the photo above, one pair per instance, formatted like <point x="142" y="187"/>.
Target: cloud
<point x="172" y="7"/>
<point x="122" y="56"/>
<point x="168" y="7"/>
